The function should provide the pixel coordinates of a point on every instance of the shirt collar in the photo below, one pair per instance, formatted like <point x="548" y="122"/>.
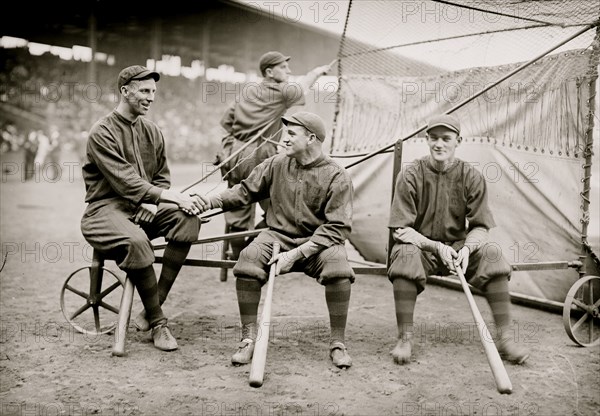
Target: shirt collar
<point x="121" y="118"/>
<point x="450" y="167"/>
<point x="312" y="164"/>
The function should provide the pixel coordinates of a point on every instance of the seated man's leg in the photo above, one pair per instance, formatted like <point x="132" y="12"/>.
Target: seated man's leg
<point x="179" y="230"/>
<point x="489" y="272"/>
<point x="264" y="204"/>
<point x="408" y="271"/>
<point x="251" y="274"/>
<point x="331" y="268"/>
<point x="108" y="229"/>
<point x="239" y="219"/>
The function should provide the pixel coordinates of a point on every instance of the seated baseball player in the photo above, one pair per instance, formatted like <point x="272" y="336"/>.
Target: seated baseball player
<point x="127" y="184"/>
<point x="440" y="218"/>
<point x="310" y="214"/>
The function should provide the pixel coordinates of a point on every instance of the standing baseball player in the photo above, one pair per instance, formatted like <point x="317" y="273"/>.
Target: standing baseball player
<point x="310" y="215"/>
<point x="127" y="184"/>
<point x="440" y="217"/>
<point x="258" y="110"/>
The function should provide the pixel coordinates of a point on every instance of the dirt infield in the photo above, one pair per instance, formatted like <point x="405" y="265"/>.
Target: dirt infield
<point x="46" y="368"/>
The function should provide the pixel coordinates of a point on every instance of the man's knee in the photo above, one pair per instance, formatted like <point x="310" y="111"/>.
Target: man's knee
<point x="488" y="263"/>
<point x="138" y="243"/>
<point x="406" y="262"/>
<point x="335" y="265"/>
<point x="182" y="227"/>
<point x="252" y="262"/>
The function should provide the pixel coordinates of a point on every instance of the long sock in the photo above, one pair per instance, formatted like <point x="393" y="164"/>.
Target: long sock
<point x="337" y="296"/>
<point x="145" y="283"/>
<point x="405" y="298"/>
<point x="175" y="255"/>
<point x="496" y="293"/>
<point x="248" y="294"/>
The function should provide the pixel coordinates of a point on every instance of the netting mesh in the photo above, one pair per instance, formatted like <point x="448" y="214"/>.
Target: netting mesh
<point x="402" y="61"/>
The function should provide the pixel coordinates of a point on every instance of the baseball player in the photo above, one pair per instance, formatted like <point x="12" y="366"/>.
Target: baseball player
<point x="310" y="215"/>
<point x="259" y="109"/>
<point x="440" y="217"/>
<point x="127" y="184"/>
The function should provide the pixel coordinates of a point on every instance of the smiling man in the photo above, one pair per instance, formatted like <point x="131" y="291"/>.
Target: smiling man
<point x="440" y="217"/>
<point x="310" y="215"/>
<point x="259" y="109"/>
<point x="127" y="184"/>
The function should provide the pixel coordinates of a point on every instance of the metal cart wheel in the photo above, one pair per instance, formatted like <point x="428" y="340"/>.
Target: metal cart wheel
<point x="87" y="302"/>
<point x="581" y="317"/>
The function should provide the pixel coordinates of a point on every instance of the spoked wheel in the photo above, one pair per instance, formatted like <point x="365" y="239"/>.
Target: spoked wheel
<point x="581" y="317"/>
<point x="90" y="303"/>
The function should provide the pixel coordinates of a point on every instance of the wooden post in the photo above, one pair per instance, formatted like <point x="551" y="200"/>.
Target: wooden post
<point x="396" y="170"/>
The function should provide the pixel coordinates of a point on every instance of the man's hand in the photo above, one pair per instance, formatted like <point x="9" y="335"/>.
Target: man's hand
<point x="324" y="69"/>
<point x="285" y="261"/>
<point x="463" y="258"/>
<point x="202" y="202"/>
<point x="145" y="213"/>
<point x="448" y="255"/>
<point x="191" y="204"/>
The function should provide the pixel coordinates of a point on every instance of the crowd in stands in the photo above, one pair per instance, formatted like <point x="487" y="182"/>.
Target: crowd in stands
<point x="58" y="92"/>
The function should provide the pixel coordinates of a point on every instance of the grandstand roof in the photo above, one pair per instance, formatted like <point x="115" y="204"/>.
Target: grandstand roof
<point x="216" y="32"/>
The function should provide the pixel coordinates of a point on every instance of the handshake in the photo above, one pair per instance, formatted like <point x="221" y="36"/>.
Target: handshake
<point x="190" y="203"/>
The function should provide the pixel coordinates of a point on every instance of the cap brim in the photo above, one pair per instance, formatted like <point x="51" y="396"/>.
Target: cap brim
<point x="448" y="126"/>
<point x="290" y="120"/>
<point x="145" y="74"/>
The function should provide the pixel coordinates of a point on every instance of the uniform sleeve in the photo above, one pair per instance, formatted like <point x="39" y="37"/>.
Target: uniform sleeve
<point x="252" y="189"/>
<point x="338" y="213"/>
<point x="292" y="94"/>
<point x="120" y="174"/>
<point x="403" y="212"/>
<point x="478" y="212"/>
<point x="162" y="177"/>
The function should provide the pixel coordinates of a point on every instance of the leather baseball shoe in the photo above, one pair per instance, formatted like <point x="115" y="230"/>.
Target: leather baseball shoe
<point x="163" y="339"/>
<point x="339" y="355"/>
<point x="140" y="322"/>
<point x="403" y="349"/>
<point x="511" y="351"/>
<point x="244" y="353"/>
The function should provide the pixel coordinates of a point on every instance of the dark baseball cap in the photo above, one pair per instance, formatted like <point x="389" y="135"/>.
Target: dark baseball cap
<point x="271" y="58"/>
<point x="135" y="72"/>
<point x="444" y="120"/>
<point x="310" y="121"/>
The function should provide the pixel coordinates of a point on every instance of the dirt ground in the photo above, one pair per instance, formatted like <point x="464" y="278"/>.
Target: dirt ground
<point x="47" y="368"/>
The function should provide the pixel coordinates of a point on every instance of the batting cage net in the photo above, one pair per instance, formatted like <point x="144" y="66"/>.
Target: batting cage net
<point x="520" y="76"/>
<point x="401" y="61"/>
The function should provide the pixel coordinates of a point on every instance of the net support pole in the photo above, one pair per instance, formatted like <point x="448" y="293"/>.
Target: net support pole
<point x="339" y="69"/>
<point x="588" y="152"/>
<point x="468" y="100"/>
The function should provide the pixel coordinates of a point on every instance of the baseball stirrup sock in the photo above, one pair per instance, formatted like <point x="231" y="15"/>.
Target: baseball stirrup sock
<point x="405" y="298"/>
<point x="175" y="255"/>
<point x="248" y="294"/>
<point x="337" y="296"/>
<point x="496" y="293"/>
<point x="145" y="283"/>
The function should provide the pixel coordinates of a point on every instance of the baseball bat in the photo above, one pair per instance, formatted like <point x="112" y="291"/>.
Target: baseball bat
<point x="259" y="359"/>
<point x="503" y="383"/>
<point x="124" y="314"/>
